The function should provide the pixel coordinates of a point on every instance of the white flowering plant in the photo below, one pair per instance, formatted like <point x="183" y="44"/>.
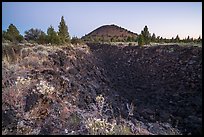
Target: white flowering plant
<point x="44" y="88"/>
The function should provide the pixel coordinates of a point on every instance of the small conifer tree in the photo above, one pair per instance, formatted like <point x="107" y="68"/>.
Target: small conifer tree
<point x="141" y="40"/>
<point x="63" y="31"/>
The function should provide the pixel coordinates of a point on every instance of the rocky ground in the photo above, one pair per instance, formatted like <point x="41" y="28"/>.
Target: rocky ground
<point x="164" y="82"/>
<point x="128" y="90"/>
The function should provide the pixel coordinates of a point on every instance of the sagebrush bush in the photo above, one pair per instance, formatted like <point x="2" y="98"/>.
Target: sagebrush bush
<point x="103" y="124"/>
<point x="25" y="52"/>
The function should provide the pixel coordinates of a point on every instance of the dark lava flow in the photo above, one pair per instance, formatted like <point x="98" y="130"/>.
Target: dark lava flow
<point x="163" y="82"/>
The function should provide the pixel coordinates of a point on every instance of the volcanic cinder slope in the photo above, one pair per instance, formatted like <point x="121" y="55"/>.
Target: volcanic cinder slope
<point x="110" y="33"/>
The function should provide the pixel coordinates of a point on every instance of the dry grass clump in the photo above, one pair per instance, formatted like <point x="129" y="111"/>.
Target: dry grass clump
<point x="98" y="123"/>
<point x="39" y="47"/>
<point x="26" y="52"/>
<point x="99" y="126"/>
<point x="10" y="53"/>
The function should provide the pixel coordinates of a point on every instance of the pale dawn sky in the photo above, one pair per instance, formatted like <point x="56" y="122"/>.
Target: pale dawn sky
<point x="166" y="19"/>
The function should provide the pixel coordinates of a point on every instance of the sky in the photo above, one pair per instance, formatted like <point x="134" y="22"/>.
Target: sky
<point x="166" y="19"/>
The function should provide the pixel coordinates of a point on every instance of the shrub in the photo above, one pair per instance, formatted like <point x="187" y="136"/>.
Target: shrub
<point x="25" y="52"/>
<point x="140" y="40"/>
<point x="35" y="35"/>
<point x="52" y="36"/>
<point x="76" y="40"/>
<point x="12" y="34"/>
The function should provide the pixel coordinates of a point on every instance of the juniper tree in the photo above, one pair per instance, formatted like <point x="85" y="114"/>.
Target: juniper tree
<point x="63" y="31"/>
<point x="158" y="39"/>
<point x="177" y="39"/>
<point x="191" y="40"/>
<point x="33" y="34"/>
<point x="188" y="39"/>
<point x="146" y="35"/>
<point x="161" y="40"/>
<point x="153" y="38"/>
<point x="12" y="34"/>
<point x="42" y="39"/>
<point x="199" y="40"/>
<point x="52" y="36"/>
<point x="141" y="40"/>
<point x="172" y="40"/>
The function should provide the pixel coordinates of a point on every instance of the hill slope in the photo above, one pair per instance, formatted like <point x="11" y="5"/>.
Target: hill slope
<point x="110" y="33"/>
